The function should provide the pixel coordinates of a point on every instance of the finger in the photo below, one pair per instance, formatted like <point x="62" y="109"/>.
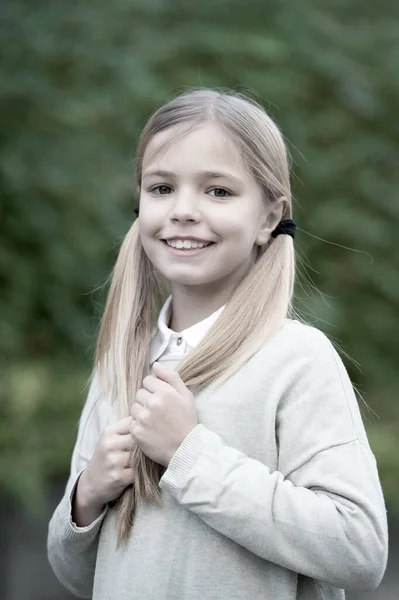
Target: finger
<point x="122" y="460"/>
<point x="122" y="427"/>
<point x="125" y="460"/>
<point x="124" y="443"/>
<point x="153" y="384"/>
<point x="128" y="476"/>
<point x="142" y="396"/>
<point x="135" y="411"/>
<point x="140" y="415"/>
<point x="170" y="377"/>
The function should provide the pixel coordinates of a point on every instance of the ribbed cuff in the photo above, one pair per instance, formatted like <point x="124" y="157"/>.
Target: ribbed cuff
<point x="71" y="530"/>
<point x="175" y="476"/>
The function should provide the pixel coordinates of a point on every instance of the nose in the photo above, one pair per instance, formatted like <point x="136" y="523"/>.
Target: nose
<point x="185" y="208"/>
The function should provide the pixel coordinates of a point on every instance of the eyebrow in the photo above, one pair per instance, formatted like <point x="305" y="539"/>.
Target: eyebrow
<point x="202" y="174"/>
<point x="157" y="174"/>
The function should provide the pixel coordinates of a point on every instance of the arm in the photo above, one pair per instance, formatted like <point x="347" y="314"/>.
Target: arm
<point x="72" y="550"/>
<point x="322" y="513"/>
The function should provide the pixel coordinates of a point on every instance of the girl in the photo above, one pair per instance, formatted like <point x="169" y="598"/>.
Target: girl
<point x="221" y="453"/>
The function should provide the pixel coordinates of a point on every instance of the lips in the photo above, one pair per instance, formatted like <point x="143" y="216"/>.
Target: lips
<point x="191" y="239"/>
<point x="187" y="251"/>
<point x="204" y="245"/>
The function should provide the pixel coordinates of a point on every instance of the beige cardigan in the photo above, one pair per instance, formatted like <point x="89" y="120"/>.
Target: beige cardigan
<point x="275" y="495"/>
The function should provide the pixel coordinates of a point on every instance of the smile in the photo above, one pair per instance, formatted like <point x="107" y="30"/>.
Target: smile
<point x="187" y="251"/>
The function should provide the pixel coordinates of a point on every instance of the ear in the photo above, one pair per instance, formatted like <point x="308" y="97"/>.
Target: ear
<point x="273" y="215"/>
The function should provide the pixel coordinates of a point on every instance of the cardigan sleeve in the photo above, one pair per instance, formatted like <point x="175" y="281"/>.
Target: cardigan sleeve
<point x="322" y="513"/>
<point x="72" y="550"/>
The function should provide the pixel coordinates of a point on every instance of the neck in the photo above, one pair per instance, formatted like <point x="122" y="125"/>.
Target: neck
<point x="189" y="308"/>
<point x="192" y="304"/>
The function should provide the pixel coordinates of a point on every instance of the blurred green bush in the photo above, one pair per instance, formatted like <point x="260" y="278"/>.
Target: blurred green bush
<point x="79" y="80"/>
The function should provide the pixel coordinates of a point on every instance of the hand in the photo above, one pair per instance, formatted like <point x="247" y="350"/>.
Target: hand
<point x="108" y="472"/>
<point x="163" y="414"/>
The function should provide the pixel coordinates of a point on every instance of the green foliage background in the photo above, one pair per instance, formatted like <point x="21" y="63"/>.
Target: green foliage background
<point x="78" y="81"/>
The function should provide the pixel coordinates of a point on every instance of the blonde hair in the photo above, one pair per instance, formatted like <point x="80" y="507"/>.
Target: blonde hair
<point x="255" y="309"/>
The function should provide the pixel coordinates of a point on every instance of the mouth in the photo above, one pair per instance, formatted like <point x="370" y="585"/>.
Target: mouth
<point x="187" y="251"/>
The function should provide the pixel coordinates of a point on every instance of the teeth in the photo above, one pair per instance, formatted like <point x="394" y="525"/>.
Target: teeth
<point x="185" y="244"/>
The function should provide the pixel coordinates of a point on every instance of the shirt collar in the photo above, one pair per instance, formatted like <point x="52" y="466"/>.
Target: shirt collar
<point x="192" y="335"/>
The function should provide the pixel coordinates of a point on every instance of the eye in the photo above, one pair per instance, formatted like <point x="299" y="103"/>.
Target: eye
<point x="161" y="190"/>
<point x="220" y="192"/>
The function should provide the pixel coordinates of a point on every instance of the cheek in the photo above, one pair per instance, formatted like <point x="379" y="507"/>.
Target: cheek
<point x="148" y="228"/>
<point x="238" y="233"/>
<point x="230" y="227"/>
<point x="148" y="243"/>
<point x="142" y="236"/>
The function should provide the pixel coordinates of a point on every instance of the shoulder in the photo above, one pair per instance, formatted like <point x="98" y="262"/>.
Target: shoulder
<point x="308" y="360"/>
<point x="300" y="351"/>
<point x="315" y="382"/>
<point x="296" y="338"/>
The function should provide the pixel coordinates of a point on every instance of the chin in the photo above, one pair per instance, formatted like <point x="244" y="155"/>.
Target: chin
<point x="185" y="280"/>
<point x="186" y="276"/>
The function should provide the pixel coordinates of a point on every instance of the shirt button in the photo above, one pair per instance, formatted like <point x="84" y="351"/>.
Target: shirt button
<point x="179" y="341"/>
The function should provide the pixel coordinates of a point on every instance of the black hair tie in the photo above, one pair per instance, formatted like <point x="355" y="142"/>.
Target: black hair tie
<point x="287" y="226"/>
<point x="136" y="210"/>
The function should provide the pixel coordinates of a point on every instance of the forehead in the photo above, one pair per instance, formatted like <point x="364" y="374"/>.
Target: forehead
<point x="205" y="146"/>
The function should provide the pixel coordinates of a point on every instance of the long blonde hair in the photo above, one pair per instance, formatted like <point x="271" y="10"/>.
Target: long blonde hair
<point x="255" y="309"/>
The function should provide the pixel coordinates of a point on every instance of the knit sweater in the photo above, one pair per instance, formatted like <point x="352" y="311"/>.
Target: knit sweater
<point x="274" y="495"/>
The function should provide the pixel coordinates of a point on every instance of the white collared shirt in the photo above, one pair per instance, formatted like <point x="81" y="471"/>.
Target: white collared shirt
<point x="170" y="343"/>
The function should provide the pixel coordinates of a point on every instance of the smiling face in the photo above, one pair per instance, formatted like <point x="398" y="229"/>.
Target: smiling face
<point x="197" y="186"/>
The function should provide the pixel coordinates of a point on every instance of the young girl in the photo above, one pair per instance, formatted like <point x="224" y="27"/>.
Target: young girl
<point x="221" y="454"/>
